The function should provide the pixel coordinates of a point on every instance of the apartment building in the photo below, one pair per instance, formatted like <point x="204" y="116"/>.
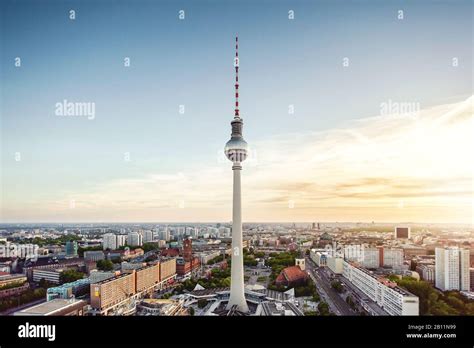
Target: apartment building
<point x="390" y="297"/>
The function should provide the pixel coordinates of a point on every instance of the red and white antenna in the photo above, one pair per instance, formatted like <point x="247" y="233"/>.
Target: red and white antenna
<point x="236" y="64"/>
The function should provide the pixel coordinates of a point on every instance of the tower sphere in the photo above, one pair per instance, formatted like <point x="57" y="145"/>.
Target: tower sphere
<point x="236" y="149"/>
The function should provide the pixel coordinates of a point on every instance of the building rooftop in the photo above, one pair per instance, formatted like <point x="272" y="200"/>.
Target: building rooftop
<point x="383" y="280"/>
<point x="292" y="273"/>
<point x="280" y="309"/>
<point x="46" y="261"/>
<point x="113" y="279"/>
<point x="50" y="307"/>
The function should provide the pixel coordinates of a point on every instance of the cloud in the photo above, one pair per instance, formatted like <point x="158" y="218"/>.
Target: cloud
<point x="367" y="169"/>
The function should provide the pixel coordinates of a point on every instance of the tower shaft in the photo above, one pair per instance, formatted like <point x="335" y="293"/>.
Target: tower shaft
<point x="237" y="291"/>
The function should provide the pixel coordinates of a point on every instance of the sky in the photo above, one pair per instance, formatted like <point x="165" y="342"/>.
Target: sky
<point x="346" y="68"/>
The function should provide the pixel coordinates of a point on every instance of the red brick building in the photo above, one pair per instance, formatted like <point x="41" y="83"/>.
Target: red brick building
<point x="291" y="276"/>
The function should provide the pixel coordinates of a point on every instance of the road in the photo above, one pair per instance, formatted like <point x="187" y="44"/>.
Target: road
<point x="340" y="307"/>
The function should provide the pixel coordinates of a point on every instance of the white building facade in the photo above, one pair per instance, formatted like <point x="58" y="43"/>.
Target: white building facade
<point x="452" y="269"/>
<point x="109" y="241"/>
<point x="391" y="298"/>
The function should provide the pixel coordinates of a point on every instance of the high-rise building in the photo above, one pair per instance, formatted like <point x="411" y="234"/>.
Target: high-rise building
<point x="109" y="241"/>
<point x="392" y="257"/>
<point x="165" y="235"/>
<point x="147" y="277"/>
<point x="71" y="248"/>
<point x="134" y="239"/>
<point x="452" y="269"/>
<point x="147" y="236"/>
<point x="121" y="240"/>
<point x="236" y="151"/>
<point x="382" y="257"/>
<point x="371" y="258"/>
<point x="426" y="272"/>
<point x="109" y="292"/>
<point x="168" y="269"/>
<point x="402" y="232"/>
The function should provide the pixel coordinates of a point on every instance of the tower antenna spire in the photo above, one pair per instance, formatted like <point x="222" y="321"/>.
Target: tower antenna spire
<point x="236" y="64"/>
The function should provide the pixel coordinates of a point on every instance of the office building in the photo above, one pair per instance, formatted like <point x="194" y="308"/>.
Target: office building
<point x="318" y="257"/>
<point x="71" y="248"/>
<point x="94" y="255"/>
<point x="68" y="290"/>
<point x="49" y="275"/>
<point x="402" y="233"/>
<point x="335" y="264"/>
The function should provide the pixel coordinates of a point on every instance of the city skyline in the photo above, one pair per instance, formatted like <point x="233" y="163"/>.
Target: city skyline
<point x="349" y="154"/>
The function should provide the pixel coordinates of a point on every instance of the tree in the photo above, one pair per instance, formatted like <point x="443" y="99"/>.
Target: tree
<point x="250" y="261"/>
<point x="216" y="259"/>
<point x="351" y="302"/>
<point x="150" y="246"/>
<point x="116" y="260"/>
<point x="105" y="265"/>
<point x="323" y="308"/>
<point x="81" y="250"/>
<point x="191" y="311"/>
<point x="70" y="275"/>
<point x="202" y="303"/>
<point x="336" y="285"/>
<point x="43" y="283"/>
<point x="434" y="303"/>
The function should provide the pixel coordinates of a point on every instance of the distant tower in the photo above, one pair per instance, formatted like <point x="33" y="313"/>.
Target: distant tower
<point x="188" y="249"/>
<point x="236" y="151"/>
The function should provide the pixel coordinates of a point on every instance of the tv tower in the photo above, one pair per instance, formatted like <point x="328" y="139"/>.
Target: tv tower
<point x="236" y="151"/>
